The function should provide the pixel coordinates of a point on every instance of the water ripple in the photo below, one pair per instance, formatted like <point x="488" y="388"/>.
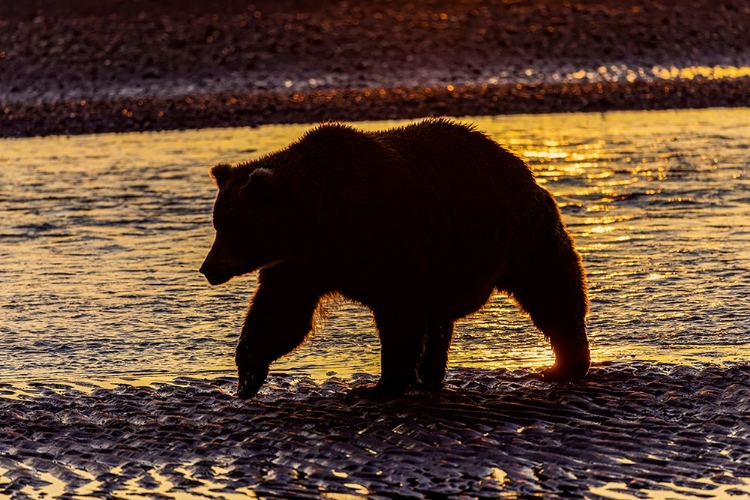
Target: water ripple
<point x="102" y="237"/>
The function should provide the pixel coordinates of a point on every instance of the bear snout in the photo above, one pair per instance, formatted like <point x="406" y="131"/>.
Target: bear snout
<point x="214" y="278"/>
<point x="222" y="262"/>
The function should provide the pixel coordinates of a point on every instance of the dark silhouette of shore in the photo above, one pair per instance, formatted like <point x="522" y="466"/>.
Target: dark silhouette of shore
<point x="69" y="66"/>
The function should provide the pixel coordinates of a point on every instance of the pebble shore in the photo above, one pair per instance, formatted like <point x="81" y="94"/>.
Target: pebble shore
<point x="72" y="67"/>
<point x="648" y="430"/>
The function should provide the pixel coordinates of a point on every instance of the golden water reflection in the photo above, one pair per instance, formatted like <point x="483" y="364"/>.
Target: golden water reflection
<point x="161" y="486"/>
<point x="57" y="487"/>
<point x="117" y="226"/>
<point x="623" y="72"/>
<point x="671" y="491"/>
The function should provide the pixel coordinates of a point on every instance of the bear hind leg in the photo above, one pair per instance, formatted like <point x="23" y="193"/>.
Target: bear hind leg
<point x="402" y="337"/>
<point x="555" y="299"/>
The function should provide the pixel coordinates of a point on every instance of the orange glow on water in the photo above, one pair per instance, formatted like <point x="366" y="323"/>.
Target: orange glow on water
<point x="621" y="72"/>
<point x="125" y="222"/>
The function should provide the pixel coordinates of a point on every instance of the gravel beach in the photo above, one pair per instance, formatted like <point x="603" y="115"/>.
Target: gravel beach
<point x="630" y="430"/>
<point x="75" y="66"/>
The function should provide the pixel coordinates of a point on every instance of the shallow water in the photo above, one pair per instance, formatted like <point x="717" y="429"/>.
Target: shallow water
<point x="102" y="237"/>
<point x="100" y="242"/>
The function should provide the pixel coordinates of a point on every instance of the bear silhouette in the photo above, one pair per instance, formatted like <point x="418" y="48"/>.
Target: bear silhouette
<point x="419" y="223"/>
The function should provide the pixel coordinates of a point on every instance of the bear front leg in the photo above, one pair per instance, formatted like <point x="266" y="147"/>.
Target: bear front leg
<point x="402" y="338"/>
<point x="435" y="358"/>
<point x="279" y="319"/>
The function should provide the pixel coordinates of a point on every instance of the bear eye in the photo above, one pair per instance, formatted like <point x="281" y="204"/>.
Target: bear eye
<point x="218" y="223"/>
<point x="221" y="217"/>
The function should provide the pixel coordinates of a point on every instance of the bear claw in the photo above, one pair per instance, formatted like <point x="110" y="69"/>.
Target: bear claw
<point x="427" y="386"/>
<point x="556" y="373"/>
<point x="250" y="383"/>
<point x="375" y="391"/>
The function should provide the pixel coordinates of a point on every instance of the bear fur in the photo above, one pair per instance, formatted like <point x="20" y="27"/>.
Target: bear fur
<point x="419" y="223"/>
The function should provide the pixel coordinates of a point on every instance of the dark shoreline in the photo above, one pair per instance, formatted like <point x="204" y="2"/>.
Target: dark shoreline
<point x="95" y="66"/>
<point x="140" y="114"/>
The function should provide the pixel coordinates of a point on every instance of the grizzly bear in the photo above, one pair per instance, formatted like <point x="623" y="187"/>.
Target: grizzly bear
<point x="419" y="223"/>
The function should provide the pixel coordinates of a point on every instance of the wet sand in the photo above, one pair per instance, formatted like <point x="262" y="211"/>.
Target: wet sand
<point x="69" y="66"/>
<point x="641" y="428"/>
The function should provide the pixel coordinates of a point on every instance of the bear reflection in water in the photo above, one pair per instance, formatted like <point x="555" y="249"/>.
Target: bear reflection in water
<point x="419" y="223"/>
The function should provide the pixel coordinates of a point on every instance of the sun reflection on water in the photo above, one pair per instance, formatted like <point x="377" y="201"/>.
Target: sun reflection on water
<point x="623" y="72"/>
<point x="117" y="225"/>
<point x="701" y="488"/>
<point x="82" y="484"/>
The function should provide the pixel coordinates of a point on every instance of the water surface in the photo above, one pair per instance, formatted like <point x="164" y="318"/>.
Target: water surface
<point x="101" y="238"/>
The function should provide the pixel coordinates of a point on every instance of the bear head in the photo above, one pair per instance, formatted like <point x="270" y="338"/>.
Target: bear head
<point x="253" y="216"/>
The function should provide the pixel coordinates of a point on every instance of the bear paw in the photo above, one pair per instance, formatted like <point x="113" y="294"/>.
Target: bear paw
<point x="559" y="373"/>
<point x="376" y="391"/>
<point x="430" y="386"/>
<point x="250" y="381"/>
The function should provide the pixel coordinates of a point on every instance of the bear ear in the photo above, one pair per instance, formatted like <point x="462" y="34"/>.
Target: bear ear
<point x="220" y="173"/>
<point x="262" y="181"/>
